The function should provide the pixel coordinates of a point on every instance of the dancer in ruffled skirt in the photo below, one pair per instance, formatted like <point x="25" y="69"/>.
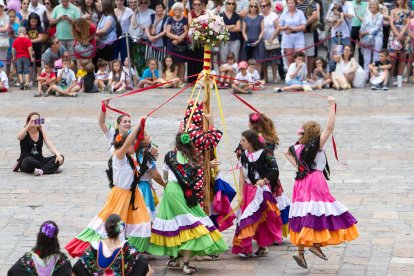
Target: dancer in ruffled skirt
<point x="316" y="218"/>
<point x="181" y="226"/>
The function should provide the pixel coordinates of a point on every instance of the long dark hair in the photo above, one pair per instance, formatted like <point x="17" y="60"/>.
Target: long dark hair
<point x="46" y="246"/>
<point x="84" y="8"/>
<point x="111" y="224"/>
<point x="164" y="65"/>
<point x="252" y="137"/>
<point x="108" y="8"/>
<point x="187" y="150"/>
<point x="34" y="15"/>
<point x="118" y="121"/>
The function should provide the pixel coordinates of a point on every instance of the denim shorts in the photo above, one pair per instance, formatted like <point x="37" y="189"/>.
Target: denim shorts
<point x="22" y="65"/>
<point x="295" y="81"/>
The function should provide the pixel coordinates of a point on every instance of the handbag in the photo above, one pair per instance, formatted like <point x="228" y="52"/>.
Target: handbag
<point x="4" y="42"/>
<point x="271" y="45"/>
<point x="181" y="49"/>
<point x="83" y="50"/>
<point x="136" y="32"/>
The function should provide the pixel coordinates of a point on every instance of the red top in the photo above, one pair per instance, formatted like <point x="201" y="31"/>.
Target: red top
<point x="21" y="45"/>
<point x="50" y="75"/>
<point x="92" y="41"/>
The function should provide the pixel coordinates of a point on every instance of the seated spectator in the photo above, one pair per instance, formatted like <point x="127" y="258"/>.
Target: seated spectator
<point x="169" y="73"/>
<point x="243" y="82"/>
<point x="296" y="76"/>
<point x="258" y="84"/>
<point x="31" y="159"/>
<point x="151" y="76"/>
<point x="81" y="72"/>
<point x="348" y="72"/>
<point x="4" y="80"/>
<point x="89" y="83"/>
<point x="132" y="80"/>
<point x="116" y="78"/>
<point x="380" y="72"/>
<point x="228" y="70"/>
<point x="45" y="258"/>
<point x="102" y="75"/>
<point x="22" y="55"/>
<point x="320" y="75"/>
<point x="46" y="80"/>
<point x="103" y="257"/>
<point x="66" y="81"/>
<point x="55" y="52"/>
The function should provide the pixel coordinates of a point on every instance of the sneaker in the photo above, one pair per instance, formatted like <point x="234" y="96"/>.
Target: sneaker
<point x="37" y="95"/>
<point x="59" y="170"/>
<point x="21" y="86"/>
<point x="15" y="166"/>
<point x="38" y="172"/>
<point x="16" y="84"/>
<point x="26" y="87"/>
<point x="262" y="251"/>
<point x="249" y="91"/>
<point x="385" y="88"/>
<point x="278" y="90"/>
<point x="375" y="87"/>
<point x="244" y="255"/>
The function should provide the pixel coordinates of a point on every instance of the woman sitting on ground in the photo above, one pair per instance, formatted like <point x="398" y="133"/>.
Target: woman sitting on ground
<point x="31" y="139"/>
<point x="45" y="258"/>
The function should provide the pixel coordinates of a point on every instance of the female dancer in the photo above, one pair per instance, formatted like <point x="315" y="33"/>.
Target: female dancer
<point x="259" y="214"/>
<point x="45" y="258"/>
<point x="112" y="255"/>
<point x="181" y="226"/>
<point x="31" y="159"/>
<point x="124" y="200"/>
<point x="264" y="126"/>
<point x="316" y="219"/>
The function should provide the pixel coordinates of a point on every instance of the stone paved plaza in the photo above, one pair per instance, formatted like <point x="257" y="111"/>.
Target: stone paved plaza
<point x="374" y="135"/>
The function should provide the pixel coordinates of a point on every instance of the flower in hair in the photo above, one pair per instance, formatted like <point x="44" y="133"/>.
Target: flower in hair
<point x="120" y="226"/>
<point x="118" y="138"/>
<point x="49" y="230"/>
<point x="301" y="131"/>
<point x="255" y="117"/>
<point x="185" y="138"/>
<point x="261" y="138"/>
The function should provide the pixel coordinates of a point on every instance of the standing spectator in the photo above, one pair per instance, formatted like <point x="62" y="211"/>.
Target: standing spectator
<point x="371" y="34"/>
<point x="242" y="7"/>
<point x="233" y="24"/>
<point x="90" y="9"/>
<point x="39" y="9"/>
<point x="140" y="20"/>
<point x="23" y="14"/>
<point x="177" y="31"/>
<point x="399" y="43"/>
<point x="4" y="31"/>
<point x="106" y="33"/>
<point x="22" y="54"/>
<point x="63" y="16"/>
<point x="123" y="14"/>
<point x="386" y="7"/>
<point x="31" y="159"/>
<point x="49" y="29"/>
<point x="133" y="5"/>
<point x="156" y="33"/>
<point x="198" y="51"/>
<point x="35" y="32"/>
<point x="55" y="52"/>
<point x="344" y="28"/>
<point x="292" y="23"/>
<point x="13" y="29"/>
<point x="271" y="20"/>
<point x="253" y="31"/>
<point x="45" y="258"/>
<point x="360" y="8"/>
<point x="309" y="9"/>
<point x="216" y="5"/>
<point x="85" y="42"/>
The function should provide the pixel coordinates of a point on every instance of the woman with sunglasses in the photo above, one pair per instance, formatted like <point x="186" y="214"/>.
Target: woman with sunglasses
<point x="253" y="32"/>
<point x="233" y="24"/>
<point x="50" y="30"/>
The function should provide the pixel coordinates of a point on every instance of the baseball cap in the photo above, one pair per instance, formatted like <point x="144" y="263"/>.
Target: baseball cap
<point x="243" y="64"/>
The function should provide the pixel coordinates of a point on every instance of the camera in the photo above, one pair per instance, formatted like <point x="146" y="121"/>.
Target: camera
<point x="39" y="121"/>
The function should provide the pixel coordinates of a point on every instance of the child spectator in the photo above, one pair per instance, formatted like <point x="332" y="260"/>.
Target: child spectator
<point x="296" y="76"/>
<point x="380" y="71"/>
<point x="46" y="80"/>
<point x="4" y="80"/>
<point x="102" y="76"/>
<point x="13" y="29"/>
<point x="169" y="73"/>
<point x="243" y="81"/>
<point x="116" y="78"/>
<point x="251" y="69"/>
<point x="150" y="76"/>
<point x="22" y="54"/>
<point x="35" y="33"/>
<point x="89" y="83"/>
<point x="320" y="74"/>
<point x="66" y="79"/>
<point x="134" y="76"/>
<point x="81" y="72"/>
<point x="228" y="71"/>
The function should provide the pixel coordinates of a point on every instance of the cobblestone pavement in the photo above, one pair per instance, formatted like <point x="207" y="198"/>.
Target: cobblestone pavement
<point x="374" y="134"/>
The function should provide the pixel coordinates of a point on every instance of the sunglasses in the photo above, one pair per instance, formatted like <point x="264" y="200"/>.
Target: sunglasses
<point x="143" y="3"/>
<point x="264" y="6"/>
<point x="196" y="4"/>
<point x="231" y="4"/>
<point x="253" y="7"/>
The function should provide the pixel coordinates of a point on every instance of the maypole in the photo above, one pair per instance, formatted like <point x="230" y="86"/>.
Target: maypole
<point x="207" y="31"/>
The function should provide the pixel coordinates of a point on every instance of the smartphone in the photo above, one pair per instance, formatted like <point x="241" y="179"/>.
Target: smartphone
<point x="39" y="121"/>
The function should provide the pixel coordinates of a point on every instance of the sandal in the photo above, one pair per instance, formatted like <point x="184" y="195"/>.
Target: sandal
<point x="261" y="252"/>
<point x="188" y="270"/>
<point x="300" y="259"/>
<point x="208" y="258"/>
<point x="173" y="263"/>
<point x="245" y="255"/>
<point x="318" y="252"/>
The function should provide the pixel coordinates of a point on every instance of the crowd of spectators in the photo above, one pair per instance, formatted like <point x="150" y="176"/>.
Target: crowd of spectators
<point x="87" y="34"/>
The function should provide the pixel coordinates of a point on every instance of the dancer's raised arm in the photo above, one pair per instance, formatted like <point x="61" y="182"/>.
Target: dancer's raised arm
<point x="331" y="122"/>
